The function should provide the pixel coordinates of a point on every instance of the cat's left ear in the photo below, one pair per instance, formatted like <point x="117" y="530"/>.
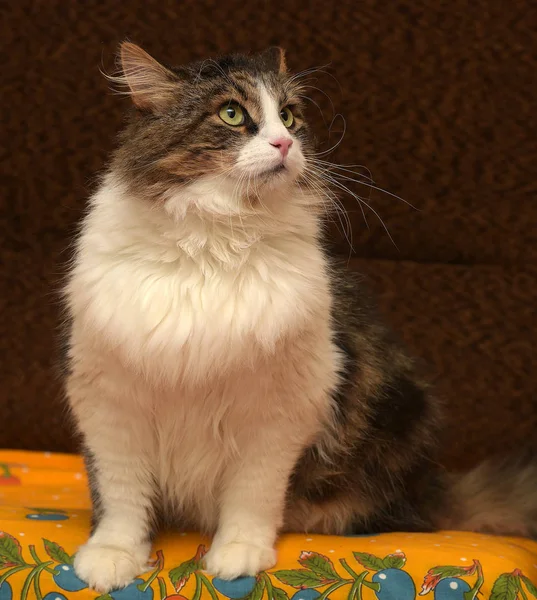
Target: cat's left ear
<point x="274" y="59"/>
<point x="152" y="86"/>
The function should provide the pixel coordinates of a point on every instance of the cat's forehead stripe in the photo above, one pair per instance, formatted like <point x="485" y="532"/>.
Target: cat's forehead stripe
<point x="270" y="109"/>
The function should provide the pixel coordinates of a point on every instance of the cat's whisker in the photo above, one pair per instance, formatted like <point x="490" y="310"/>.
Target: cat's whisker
<point x="247" y="194"/>
<point x="260" y="200"/>
<point x="324" y="70"/>
<point x="330" y="150"/>
<point x="315" y="104"/>
<point x="325" y="174"/>
<point x="258" y="195"/>
<point x="306" y="72"/>
<point x="311" y="179"/>
<point x="333" y="169"/>
<point x="344" y="188"/>
<point x="347" y="168"/>
<point x="374" y="187"/>
<point x="241" y="194"/>
<point x="313" y="87"/>
<point x="200" y="71"/>
<point x="237" y="188"/>
<point x="327" y="170"/>
<point x="220" y="70"/>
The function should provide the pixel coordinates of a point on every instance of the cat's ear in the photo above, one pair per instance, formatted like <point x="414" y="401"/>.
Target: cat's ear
<point x="151" y="85"/>
<point x="274" y="59"/>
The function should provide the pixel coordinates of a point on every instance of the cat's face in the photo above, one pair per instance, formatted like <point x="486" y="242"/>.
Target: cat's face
<point x="236" y="121"/>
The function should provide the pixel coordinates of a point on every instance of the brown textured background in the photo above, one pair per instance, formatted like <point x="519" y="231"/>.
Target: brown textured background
<point x="439" y="100"/>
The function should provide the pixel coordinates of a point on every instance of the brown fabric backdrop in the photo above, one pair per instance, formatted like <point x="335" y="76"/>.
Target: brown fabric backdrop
<point x="439" y="104"/>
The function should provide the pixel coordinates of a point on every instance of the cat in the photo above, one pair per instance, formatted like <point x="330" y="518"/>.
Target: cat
<point x="225" y="373"/>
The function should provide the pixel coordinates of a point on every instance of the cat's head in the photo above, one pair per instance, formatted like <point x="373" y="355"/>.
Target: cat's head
<point x="235" y="122"/>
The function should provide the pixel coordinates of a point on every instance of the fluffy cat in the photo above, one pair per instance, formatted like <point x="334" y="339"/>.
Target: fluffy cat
<point x="224" y="373"/>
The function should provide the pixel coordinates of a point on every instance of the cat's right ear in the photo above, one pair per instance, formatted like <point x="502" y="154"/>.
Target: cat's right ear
<point x="151" y="85"/>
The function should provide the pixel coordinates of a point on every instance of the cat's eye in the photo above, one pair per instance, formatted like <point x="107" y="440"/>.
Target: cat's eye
<point x="287" y="116"/>
<point x="232" y="114"/>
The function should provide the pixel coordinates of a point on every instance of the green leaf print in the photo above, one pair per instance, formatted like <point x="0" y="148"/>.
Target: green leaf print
<point x="257" y="592"/>
<point x="505" y="587"/>
<point x="181" y="574"/>
<point x="5" y="563"/>
<point x="10" y="550"/>
<point x="444" y="572"/>
<point x="369" y="561"/>
<point x="57" y="553"/>
<point x="300" y="578"/>
<point x="436" y="574"/>
<point x="320" y="565"/>
<point x="396" y="560"/>
<point x="278" y="594"/>
<point x="532" y="588"/>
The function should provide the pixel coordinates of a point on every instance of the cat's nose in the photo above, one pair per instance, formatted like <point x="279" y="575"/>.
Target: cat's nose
<point x="283" y="144"/>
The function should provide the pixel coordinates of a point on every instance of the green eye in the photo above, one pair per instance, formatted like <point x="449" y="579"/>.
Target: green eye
<point x="232" y="114"/>
<point x="287" y="116"/>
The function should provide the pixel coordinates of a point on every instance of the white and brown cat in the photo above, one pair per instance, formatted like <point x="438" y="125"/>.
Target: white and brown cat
<point x="224" y="373"/>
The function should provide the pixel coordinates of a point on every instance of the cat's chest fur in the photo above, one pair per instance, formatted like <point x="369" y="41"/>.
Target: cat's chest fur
<point x="202" y="431"/>
<point x="176" y="302"/>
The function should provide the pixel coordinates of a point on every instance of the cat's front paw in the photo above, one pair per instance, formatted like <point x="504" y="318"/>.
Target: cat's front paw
<point x="235" y="559"/>
<point x="106" y="568"/>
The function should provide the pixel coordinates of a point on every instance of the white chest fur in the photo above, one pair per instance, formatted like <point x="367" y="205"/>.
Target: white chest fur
<point x="192" y="297"/>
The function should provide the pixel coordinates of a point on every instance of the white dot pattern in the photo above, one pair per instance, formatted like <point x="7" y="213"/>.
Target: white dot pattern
<point x="453" y="585"/>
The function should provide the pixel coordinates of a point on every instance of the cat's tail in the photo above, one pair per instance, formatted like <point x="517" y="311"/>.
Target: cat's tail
<point x="497" y="497"/>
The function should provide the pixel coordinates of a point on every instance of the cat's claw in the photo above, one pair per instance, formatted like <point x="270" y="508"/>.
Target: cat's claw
<point x="105" y="568"/>
<point x="236" y="559"/>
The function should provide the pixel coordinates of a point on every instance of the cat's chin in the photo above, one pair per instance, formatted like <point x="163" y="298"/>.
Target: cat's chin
<point x="280" y="176"/>
<point x="274" y="177"/>
<point x="279" y="169"/>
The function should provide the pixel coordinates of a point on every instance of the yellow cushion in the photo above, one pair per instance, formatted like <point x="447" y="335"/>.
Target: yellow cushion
<point x="44" y="517"/>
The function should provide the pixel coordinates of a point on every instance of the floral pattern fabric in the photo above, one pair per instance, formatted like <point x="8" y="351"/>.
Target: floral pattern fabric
<point x="44" y="517"/>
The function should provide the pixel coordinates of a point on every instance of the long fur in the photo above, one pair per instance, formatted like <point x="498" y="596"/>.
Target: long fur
<point x="497" y="496"/>
<point x="224" y="372"/>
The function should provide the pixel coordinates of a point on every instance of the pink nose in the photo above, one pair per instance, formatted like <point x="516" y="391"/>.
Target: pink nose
<point x="283" y="144"/>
